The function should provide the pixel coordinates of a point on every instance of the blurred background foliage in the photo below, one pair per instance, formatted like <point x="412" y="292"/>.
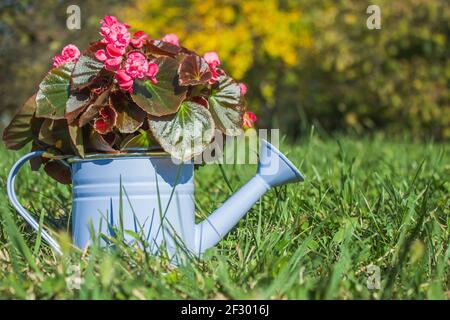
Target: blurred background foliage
<point x="311" y="62"/>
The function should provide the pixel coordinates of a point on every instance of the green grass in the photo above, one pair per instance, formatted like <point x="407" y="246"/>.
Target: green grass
<point x="364" y="202"/>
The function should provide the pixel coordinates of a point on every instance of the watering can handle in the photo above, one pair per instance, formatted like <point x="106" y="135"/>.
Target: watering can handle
<point x="16" y="204"/>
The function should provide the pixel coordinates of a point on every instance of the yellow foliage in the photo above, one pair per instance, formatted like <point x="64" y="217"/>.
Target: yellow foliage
<point x="237" y="30"/>
<point x="317" y="60"/>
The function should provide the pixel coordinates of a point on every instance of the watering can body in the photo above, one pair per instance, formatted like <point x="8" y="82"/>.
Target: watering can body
<point x="153" y="197"/>
<point x="149" y="195"/>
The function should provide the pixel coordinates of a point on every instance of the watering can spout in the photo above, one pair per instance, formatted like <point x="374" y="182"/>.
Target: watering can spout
<point x="274" y="169"/>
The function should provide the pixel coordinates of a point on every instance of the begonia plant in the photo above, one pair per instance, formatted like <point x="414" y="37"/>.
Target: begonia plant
<point x="128" y="92"/>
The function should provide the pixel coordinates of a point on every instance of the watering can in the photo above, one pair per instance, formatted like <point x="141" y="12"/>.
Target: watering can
<point x="153" y="196"/>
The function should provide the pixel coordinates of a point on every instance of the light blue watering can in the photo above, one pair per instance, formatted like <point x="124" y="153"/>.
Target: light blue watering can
<point x="153" y="196"/>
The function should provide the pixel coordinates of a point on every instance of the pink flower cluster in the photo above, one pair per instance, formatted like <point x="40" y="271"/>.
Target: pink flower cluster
<point x="243" y="88"/>
<point x="171" y="38"/>
<point x="136" y="67"/>
<point x="212" y="58"/>
<point x="249" y="119"/>
<point x="111" y="57"/>
<point x="138" y="40"/>
<point x="115" y="33"/>
<point x="70" y="53"/>
<point x="117" y="38"/>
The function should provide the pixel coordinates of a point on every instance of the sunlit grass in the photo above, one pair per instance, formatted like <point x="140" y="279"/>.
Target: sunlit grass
<point x="364" y="202"/>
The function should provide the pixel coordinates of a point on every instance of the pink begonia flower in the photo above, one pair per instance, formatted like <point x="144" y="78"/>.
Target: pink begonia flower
<point x="70" y="53"/>
<point x="100" y="55"/>
<point x="107" y="120"/>
<point x="136" y="65"/>
<point x="243" y="88"/>
<point x="112" y="57"/>
<point x="115" y="33"/>
<point x="58" y="60"/>
<point x="212" y="58"/>
<point x="138" y="40"/>
<point x="171" y="38"/>
<point x="152" y="71"/>
<point x="124" y="80"/>
<point x="113" y="64"/>
<point x="117" y="38"/>
<point x="249" y="119"/>
<point x="107" y="22"/>
<point x="114" y="51"/>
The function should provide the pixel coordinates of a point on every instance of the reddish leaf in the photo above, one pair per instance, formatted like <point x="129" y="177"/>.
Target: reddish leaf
<point x="194" y="70"/>
<point x="76" y="138"/>
<point x="106" y="121"/>
<point x="58" y="171"/>
<point x="36" y="162"/>
<point x="49" y="131"/>
<point x="102" y="99"/>
<point x="55" y="133"/>
<point x="101" y="143"/>
<point x="110" y="138"/>
<point x="76" y="104"/>
<point x="200" y="100"/>
<point x="162" y="48"/>
<point x="130" y="116"/>
<point x="103" y="82"/>
<point x="102" y="126"/>
<point x="20" y="131"/>
<point x="186" y="50"/>
<point x="91" y="112"/>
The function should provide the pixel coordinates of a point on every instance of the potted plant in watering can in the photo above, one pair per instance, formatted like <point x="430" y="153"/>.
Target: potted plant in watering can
<point x="112" y="121"/>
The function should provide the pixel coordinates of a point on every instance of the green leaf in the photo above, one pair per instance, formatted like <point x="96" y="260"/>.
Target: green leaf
<point x="164" y="97"/>
<point x="129" y="116"/>
<point x="226" y="106"/>
<point x="76" y="138"/>
<point x="186" y="133"/>
<point x="53" y="93"/>
<point x="87" y="68"/>
<point x="143" y="140"/>
<point x="22" y="128"/>
<point x="194" y="70"/>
